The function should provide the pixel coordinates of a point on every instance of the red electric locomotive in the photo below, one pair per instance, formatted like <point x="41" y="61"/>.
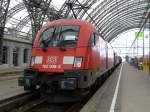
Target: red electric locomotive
<point x="68" y="55"/>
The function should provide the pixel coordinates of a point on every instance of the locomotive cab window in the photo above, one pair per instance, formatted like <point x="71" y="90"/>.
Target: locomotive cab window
<point x="59" y="36"/>
<point x="92" y="40"/>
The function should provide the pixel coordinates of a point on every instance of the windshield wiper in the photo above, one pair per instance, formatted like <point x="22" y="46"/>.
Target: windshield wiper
<point x="63" y="43"/>
<point x="72" y="30"/>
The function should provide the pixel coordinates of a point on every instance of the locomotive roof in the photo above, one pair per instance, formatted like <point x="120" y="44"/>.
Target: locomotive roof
<point x="70" y="22"/>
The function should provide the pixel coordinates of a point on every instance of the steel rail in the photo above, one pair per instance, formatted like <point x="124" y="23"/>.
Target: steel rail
<point x="8" y="104"/>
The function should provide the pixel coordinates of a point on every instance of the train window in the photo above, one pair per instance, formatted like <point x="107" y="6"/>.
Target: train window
<point x="5" y="55"/>
<point x="59" y="36"/>
<point x="92" y="40"/>
<point x="15" y="56"/>
<point x="25" y="56"/>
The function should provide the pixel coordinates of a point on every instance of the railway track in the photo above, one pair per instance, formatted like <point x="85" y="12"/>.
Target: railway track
<point x="54" y="107"/>
<point x="9" y="104"/>
<point x="33" y="102"/>
<point x="40" y="105"/>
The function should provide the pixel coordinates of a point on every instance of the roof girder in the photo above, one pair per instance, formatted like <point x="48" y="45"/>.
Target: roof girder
<point x="105" y="28"/>
<point x="128" y="8"/>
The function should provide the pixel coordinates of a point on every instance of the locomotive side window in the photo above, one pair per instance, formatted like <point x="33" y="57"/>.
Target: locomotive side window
<point x="59" y="36"/>
<point x="92" y="40"/>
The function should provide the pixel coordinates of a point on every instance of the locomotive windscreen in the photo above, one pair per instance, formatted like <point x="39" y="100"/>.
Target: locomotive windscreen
<point x="59" y="36"/>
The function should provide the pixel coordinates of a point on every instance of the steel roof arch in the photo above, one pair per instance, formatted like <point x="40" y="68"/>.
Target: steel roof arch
<point x="126" y="18"/>
<point x="124" y="14"/>
<point x="14" y="10"/>
<point x="123" y="30"/>
<point x="112" y="33"/>
<point x="131" y="10"/>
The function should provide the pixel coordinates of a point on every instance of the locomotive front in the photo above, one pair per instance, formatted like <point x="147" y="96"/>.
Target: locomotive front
<point x="58" y="59"/>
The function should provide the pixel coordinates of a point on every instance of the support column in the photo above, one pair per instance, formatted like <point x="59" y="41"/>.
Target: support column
<point x="4" y="4"/>
<point x="10" y="56"/>
<point x="37" y="10"/>
<point x="20" y="60"/>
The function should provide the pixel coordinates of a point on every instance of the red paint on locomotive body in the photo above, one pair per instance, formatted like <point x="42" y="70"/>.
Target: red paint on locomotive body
<point x="67" y="55"/>
<point x="94" y="53"/>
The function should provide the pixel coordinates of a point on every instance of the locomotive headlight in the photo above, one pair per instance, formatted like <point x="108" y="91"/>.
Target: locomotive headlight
<point x="77" y="62"/>
<point x="32" y="60"/>
<point x="36" y="60"/>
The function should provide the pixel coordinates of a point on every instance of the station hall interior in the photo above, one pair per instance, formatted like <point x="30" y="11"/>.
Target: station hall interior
<point x="123" y="24"/>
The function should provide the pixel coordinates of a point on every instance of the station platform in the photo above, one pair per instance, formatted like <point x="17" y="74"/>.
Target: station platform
<point x="10" y="73"/>
<point x="10" y="88"/>
<point x="8" y="82"/>
<point x="11" y="70"/>
<point x="126" y="90"/>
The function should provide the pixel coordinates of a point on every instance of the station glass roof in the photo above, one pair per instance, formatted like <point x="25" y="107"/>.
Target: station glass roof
<point x="111" y="17"/>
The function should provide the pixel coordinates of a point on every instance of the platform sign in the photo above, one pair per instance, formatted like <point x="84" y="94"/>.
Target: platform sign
<point x="139" y="35"/>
